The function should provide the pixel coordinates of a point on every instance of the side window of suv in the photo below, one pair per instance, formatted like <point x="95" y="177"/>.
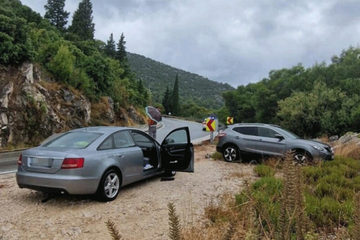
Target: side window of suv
<point x="266" y="132"/>
<point x="247" y="130"/>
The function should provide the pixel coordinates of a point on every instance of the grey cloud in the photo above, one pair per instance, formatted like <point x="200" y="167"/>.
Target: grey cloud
<point x="233" y="41"/>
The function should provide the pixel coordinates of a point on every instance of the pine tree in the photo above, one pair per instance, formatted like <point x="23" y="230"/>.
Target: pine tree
<point x="122" y="58"/>
<point x="121" y="49"/>
<point x="110" y="48"/>
<point x="56" y="14"/>
<point x="166" y="102"/>
<point x="175" y="98"/>
<point x="82" y="24"/>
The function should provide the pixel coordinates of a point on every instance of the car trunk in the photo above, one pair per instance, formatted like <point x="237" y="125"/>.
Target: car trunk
<point x="43" y="161"/>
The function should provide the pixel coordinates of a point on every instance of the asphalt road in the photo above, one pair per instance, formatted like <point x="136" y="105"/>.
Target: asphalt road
<point x="8" y="161"/>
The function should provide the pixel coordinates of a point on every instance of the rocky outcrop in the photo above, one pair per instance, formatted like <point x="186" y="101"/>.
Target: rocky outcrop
<point x="32" y="109"/>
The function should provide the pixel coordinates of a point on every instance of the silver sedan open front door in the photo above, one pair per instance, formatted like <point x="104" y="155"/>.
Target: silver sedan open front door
<point x="177" y="151"/>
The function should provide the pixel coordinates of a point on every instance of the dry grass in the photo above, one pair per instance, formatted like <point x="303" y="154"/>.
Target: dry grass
<point x="273" y="162"/>
<point x="100" y="108"/>
<point x="203" y="151"/>
<point x="221" y="221"/>
<point x="240" y="175"/>
<point x="348" y="150"/>
<point x="51" y="86"/>
<point x="324" y="139"/>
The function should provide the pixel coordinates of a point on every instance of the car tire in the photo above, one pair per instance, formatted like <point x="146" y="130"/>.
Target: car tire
<point x="169" y="173"/>
<point x="109" y="186"/>
<point x="301" y="157"/>
<point x="230" y="153"/>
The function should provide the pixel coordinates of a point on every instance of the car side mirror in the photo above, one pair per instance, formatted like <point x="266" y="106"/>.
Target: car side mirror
<point x="279" y="136"/>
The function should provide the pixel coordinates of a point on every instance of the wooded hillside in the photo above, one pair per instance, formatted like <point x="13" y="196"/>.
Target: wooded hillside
<point x="157" y="76"/>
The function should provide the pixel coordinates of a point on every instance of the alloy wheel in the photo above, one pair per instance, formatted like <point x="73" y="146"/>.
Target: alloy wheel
<point x="300" y="158"/>
<point x="230" y="154"/>
<point x="111" y="185"/>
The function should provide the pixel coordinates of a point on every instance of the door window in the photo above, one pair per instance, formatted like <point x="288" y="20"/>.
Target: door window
<point x="107" y="144"/>
<point x="246" y="130"/>
<point x="266" y="132"/>
<point x="123" y="139"/>
<point x="177" y="137"/>
<point x="141" y="140"/>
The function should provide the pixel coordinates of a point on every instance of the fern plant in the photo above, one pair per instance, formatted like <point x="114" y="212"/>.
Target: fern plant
<point x="115" y="235"/>
<point x="174" y="223"/>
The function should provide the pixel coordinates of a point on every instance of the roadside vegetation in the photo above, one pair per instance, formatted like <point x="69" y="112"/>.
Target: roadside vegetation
<point x="288" y="201"/>
<point x="320" y="200"/>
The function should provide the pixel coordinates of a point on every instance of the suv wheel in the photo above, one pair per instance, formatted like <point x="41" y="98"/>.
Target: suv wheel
<point x="230" y="153"/>
<point x="301" y="157"/>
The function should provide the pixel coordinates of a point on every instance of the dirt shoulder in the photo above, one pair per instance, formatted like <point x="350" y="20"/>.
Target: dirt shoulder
<point x="139" y="212"/>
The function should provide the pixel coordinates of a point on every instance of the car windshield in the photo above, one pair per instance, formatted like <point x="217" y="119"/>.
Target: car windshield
<point x="73" y="140"/>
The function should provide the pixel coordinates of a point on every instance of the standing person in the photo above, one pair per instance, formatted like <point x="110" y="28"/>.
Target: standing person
<point x="154" y="117"/>
<point x="152" y="128"/>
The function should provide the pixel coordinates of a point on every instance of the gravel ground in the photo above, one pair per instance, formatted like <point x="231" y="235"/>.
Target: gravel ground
<point x="139" y="212"/>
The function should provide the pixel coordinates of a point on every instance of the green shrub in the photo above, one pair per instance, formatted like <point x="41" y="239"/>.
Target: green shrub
<point x="264" y="171"/>
<point x="62" y="65"/>
<point x="329" y="190"/>
<point x="312" y="174"/>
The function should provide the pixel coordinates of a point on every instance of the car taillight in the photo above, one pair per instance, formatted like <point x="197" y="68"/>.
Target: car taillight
<point x="70" y="163"/>
<point x="20" y="160"/>
<point x="222" y="134"/>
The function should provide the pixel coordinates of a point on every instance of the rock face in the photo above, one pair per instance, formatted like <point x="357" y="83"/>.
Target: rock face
<point x="32" y="109"/>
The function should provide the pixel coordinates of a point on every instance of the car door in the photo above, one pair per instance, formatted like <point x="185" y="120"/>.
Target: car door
<point x="269" y="143"/>
<point x="120" y="149"/>
<point x="246" y="138"/>
<point x="177" y="151"/>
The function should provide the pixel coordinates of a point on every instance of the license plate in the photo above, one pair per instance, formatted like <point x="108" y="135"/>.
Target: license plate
<point x="40" y="162"/>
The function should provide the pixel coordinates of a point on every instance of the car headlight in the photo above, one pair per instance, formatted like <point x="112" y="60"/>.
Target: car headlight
<point x="321" y="149"/>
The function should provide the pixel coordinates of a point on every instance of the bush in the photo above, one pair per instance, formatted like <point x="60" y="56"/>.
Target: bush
<point x="264" y="171"/>
<point x="62" y="65"/>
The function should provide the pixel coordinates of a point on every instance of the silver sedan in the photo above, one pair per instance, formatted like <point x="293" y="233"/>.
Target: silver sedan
<point x="100" y="160"/>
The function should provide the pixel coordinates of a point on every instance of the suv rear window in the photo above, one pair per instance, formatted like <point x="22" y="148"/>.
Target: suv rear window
<point x="246" y="130"/>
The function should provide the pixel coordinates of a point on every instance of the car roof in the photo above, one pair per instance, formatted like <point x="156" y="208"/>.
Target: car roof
<point x="101" y="129"/>
<point x="255" y="124"/>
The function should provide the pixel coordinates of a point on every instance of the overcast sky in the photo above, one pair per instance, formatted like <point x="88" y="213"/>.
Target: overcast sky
<point x="229" y="41"/>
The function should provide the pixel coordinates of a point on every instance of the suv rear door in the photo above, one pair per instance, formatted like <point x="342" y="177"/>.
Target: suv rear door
<point x="246" y="138"/>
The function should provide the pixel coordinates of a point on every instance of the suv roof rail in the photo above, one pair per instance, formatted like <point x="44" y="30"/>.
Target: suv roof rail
<point x="259" y="124"/>
<point x="274" y="125"/>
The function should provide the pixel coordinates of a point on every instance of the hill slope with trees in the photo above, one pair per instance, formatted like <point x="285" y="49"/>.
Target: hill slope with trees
<point x="157" y="77"/>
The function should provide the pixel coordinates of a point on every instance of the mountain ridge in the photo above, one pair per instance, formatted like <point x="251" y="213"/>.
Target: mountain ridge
<point x="157" y="76"/>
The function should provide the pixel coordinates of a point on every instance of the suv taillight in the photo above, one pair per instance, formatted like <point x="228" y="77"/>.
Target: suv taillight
<point x="222" y="134"/>
<point x="70" y="163"/>
<point x="20" y="160"/>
